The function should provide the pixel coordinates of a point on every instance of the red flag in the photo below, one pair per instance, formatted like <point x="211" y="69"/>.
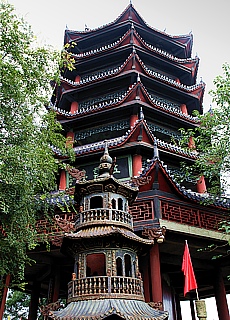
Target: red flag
<point x="189" y="279"/>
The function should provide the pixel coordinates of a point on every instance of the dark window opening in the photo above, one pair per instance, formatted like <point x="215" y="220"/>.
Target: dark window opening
<point x="128" y="270"/>
<point x="95" y="265"/>
<point x="96" y="202"/>
<point x="120" y="204"/>
<point x="119" y="267"/>
<point x="114" y="204"/>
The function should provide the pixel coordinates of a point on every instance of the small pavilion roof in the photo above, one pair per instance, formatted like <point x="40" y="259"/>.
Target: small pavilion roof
<point x="102" y="231"/>
<point x="169" y="182"/>
<point x="102" y="309"/>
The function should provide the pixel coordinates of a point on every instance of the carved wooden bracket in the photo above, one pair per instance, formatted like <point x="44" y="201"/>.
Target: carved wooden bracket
<point x="64" y="224"/>
<point x="157" y="234"/>
<point x="76" y="173"/>
<point x="140" y="181"/>
<point x="156" y="305"/>
<point x="45" y="310"/>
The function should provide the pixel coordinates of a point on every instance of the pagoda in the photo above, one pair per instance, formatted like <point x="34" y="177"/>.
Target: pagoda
<point x="134" y="87"/>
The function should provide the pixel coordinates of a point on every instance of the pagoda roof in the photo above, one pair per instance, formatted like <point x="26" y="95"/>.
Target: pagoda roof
<point x="168" y="183"/>
<point x="130" y="15"/>
<point x="133" y="64"/>
<point x="102" y="309"/>
<point x="137" y="41"/>
<point x="102" y="231"/>
<point x="127" y="65"/>
<point x="103" y="184"/>
<point x="124" y="98"/>
<point x="131" y="139"/>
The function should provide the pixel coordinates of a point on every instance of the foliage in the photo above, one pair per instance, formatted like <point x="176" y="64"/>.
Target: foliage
<point x="17" y="305"/>
<point x="27" y="132"/>
<point x="212" y="139"/>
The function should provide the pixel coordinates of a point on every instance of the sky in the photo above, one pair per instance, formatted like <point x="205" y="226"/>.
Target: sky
<point x="208" y="20"/>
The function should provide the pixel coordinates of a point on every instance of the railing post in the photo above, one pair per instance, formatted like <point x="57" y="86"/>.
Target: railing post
<point x="109" y="284"/>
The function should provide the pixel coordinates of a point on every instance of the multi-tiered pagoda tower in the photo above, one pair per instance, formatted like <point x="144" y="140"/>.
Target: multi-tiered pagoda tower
<point x="135" y="87"/>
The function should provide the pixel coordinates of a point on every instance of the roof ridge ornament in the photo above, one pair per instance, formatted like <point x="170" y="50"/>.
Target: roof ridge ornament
<point x="141" y="114"/>
<point x="155" y="151"/>
<point x="105" y="162"/>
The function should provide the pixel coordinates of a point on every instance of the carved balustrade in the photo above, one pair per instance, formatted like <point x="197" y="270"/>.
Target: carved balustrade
<point x="103" y="216"/>
<point x="105" y="286"/>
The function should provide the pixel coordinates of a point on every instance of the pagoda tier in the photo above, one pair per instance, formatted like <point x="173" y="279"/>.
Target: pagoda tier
<point x="123" y="70"/>
<point x="177" y="45"/>
<point x="184" y="69"/>
<point x="132" y="89"/>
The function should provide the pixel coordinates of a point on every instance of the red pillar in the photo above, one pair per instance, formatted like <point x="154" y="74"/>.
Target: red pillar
<point x="132" y="120"/>
<point x="220" y="295"/>
<point x="191" y="143"/>
<point x="74" y="107"/>
<point x="137" y="165"/>
<point x="4" y="295"/>
<point x="155" y="272"/>
<point x="62" y="184"/>
<point x="183" y="108"/>
<point x="77" y="79"/>
<point x="201" y="185"/>
<point x="70" y="139"/>
<point x="34" y="301"/>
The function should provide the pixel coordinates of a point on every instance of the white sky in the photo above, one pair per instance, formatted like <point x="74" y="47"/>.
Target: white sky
<point x="207" y="19"/>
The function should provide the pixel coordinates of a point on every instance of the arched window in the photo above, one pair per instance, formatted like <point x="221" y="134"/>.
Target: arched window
<point x="96" y="202"/>
<point x="120" y="204"/>
<point x="119" y="267"/>
<point x="95" y="264"/>
<point x="113" y="204"/>
<point x="128" y="267"/>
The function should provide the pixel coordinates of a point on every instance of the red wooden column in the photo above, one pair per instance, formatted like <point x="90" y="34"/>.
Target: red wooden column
<point x="70" y="139"/>
<point x="34" y="301"/>
<point x="62" y="183"/>
<point x="201" y="185"/>
<point x="74" y="107"/>
<point x="137" y="165"/>
<point x="4" y="295"/>
<point x="184" y="109"/>
<point x="155" y="272"/>
<point x="220" y="295"/>
<point x="132" y="120"/>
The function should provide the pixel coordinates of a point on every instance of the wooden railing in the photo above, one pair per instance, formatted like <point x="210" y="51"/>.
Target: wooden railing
<point x="91" y="287"/>
<point x="104" y="216"/>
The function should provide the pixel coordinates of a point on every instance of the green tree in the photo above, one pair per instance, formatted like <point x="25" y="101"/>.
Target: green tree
<point x="212" y="139"/>
<point x="27" y="132"/>
<point x="17" y="306"/>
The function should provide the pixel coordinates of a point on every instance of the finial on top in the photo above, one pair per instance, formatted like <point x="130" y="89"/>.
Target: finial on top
<point x="105" y="163"/>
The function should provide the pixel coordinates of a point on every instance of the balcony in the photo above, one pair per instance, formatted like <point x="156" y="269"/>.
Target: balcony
<point x="105" y="287"/>
<point x="104" y="216"/>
